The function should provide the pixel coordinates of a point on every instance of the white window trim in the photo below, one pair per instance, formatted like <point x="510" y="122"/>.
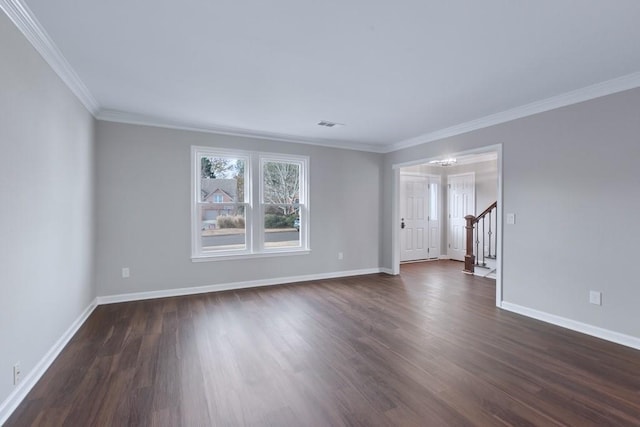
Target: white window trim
<point x="254" y="213"/>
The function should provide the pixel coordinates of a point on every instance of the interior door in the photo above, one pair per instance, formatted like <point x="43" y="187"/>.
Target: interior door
<point x="461" y="203"/>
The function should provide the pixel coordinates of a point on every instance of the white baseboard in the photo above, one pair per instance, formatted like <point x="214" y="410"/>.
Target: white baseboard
<point x="444" y="257"/>
<point x="605" y="334"/>
<point x="20" y="392"/>
<point x="387" y="271"/>
<point x="137" y="296"/>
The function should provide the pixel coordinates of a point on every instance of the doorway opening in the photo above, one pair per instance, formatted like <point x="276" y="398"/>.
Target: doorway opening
<point x="432" y="197"/>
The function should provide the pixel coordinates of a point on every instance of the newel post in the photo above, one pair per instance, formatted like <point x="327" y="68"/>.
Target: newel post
<point x="469" y="258"/>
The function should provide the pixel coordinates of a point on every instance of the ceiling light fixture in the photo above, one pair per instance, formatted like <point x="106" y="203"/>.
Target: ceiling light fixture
<point x="444" y="162"/>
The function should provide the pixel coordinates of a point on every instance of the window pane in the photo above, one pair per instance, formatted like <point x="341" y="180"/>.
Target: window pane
<point x="281" y="226"/>
<point x="433" y="202"/>
<point x="223" y="227"/>
<point x="281" y="182"/>
<point x="222" y="179"/>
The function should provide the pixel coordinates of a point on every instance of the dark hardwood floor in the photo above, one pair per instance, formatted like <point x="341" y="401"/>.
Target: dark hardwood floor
<point x="428" y="348"/>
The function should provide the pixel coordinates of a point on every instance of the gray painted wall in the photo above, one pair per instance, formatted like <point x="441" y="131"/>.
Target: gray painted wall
<point x="571" y="176"/>
<point x="46" y="218"/>
<point x="143" y="210"/>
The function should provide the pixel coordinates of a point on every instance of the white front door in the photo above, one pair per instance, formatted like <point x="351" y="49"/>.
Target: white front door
<point x="419" y="236"/>
<point x="461" y="203"/>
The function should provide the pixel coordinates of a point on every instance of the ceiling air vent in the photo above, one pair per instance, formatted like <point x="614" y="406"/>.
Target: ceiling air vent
<point x="328" y="124"/>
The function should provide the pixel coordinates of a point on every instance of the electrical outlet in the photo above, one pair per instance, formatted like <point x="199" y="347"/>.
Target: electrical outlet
<point x="511" y="218"/>
<point x="595" y="297"/>
<point x="125" y="272"/>
<point x="17" y="373"/>
<point x="340" y="255"/>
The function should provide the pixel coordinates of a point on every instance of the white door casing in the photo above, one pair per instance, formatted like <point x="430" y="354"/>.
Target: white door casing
<point x="461" y="194"/>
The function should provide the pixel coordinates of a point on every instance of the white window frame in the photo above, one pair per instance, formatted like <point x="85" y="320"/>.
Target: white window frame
<point x="254" y="207"/>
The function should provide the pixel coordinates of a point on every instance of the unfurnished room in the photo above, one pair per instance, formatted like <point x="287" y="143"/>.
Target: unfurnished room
<point x="289" y="213"/>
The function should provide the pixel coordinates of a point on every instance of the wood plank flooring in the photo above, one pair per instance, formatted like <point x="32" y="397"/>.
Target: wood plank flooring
<point x="428" y="348"/>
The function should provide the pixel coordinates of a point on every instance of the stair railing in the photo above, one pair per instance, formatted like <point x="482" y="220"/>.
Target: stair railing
<point x="487" y="219"/>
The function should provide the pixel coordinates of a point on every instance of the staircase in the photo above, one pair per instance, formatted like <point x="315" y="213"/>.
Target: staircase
<point x="480" y="258"/>
<point x="488" y="270"/>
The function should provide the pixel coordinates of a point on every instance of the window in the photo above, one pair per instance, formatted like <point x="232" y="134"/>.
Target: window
<point x="248" y="204"/>
<point x="221" y="226"/>
<point x="281" y="200"/>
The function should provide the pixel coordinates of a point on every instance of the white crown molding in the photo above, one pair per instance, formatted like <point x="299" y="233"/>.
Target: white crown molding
<point x="27" y="23"/>
<point x="20" y="392"/>
<point x="574" y="325"/>
<point x="620" y="84"/>
<point x="145" y="120"/>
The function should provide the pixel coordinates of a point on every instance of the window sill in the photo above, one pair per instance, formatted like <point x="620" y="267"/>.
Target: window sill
<point x="228" y="257"/>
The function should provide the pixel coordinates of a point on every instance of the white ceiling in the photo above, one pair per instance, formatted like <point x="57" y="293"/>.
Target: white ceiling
<point x="395" y="73"/>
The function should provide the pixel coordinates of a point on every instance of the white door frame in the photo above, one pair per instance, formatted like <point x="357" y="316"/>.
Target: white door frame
<point x="395" y="211"/>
